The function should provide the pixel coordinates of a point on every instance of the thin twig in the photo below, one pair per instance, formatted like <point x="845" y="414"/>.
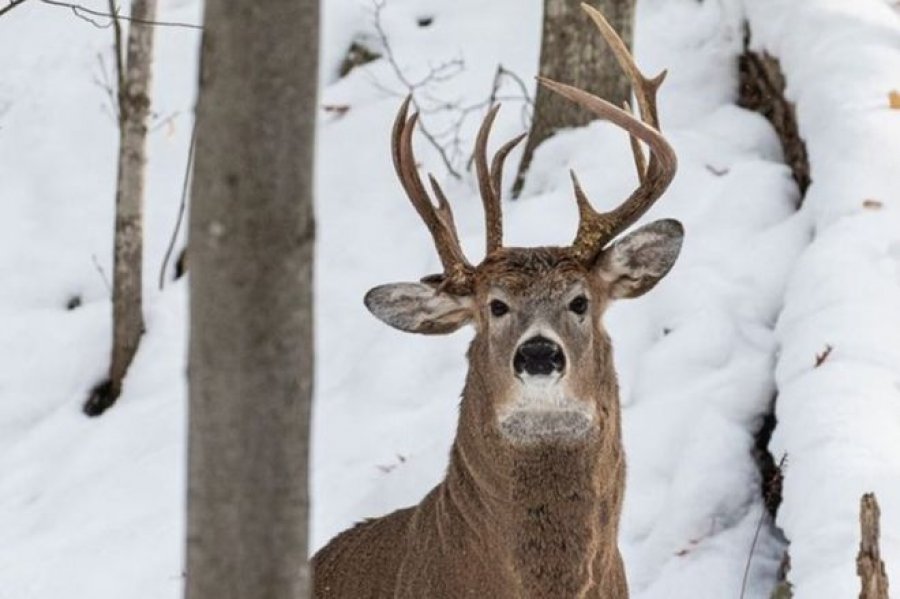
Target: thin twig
<point x="528" y="104"/>
<point x="160" y="121"/>
<point x="448" y="142"/>
<point x="102" y="273"/>
<point x="12" y="4"/>
<point x="188" y="170"/>
<point x="92" y="21"/>
<point x="767" y="486"/>
<point x="80" y="11"/>
<point x="104" y="83"/>
<point x="412" y="86"/>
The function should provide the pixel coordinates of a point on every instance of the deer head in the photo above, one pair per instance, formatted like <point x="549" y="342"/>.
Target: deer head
<point x="540" y="351"/>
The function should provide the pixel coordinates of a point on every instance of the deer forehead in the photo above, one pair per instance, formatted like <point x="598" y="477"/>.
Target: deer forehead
<point x="546" y="272"/>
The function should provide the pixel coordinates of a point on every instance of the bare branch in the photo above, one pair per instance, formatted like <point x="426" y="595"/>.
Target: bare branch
<point x="188" y="170"/>
<point x="91" y="21"/>
<point x="413" y="86"/>
<point x="103" y="82"/>
<point x="12" y="4"/>
<point x="448" y="142"/>
<point x="81" y="12"/>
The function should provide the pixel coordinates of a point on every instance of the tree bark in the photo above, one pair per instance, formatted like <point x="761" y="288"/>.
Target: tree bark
<point x="251" y="244"/>
<point x="572" y="51"/>
<point x="869" y="564"/>
<point x="761" y="89"/>
<point x="134" y="81"/>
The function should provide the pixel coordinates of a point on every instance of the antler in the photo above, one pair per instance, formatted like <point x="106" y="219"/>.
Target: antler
<point x="596" y="229"/>
<point x="439" y="219"/>
<point x="490" y="183"/>
<point x="458" y="272"/>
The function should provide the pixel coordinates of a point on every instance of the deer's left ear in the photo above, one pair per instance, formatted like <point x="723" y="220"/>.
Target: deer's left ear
<point x="634" y="264"/>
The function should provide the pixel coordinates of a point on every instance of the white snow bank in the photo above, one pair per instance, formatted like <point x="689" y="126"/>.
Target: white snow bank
<point x="839" y="424"/>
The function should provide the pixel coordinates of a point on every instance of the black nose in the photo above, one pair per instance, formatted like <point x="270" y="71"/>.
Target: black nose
<point x="539" y="356"/>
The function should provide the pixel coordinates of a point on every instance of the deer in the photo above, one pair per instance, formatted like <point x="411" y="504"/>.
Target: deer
<point x="530" y="503"/>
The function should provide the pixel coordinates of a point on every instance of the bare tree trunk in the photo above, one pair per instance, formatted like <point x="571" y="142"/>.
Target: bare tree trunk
<point x="573" y="52"/>
<point x="251" y="352"/>
<point x="134" y="79"/>
<point x="869" y="564"/>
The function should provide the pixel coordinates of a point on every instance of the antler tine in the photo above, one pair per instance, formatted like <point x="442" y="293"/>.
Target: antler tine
<point x="490" y="182"/>
<point x="443" y="211"/>
<point x="497" y="163"/>
<point x="644" y="89"/>
<point x="438" y="220"/>
<point x="640" y="162"/>
<point x="596" y="229"/>
<point x="493" y="217"/>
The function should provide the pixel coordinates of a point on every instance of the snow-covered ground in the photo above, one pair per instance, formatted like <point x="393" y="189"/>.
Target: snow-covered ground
<point x="94" y="508"/>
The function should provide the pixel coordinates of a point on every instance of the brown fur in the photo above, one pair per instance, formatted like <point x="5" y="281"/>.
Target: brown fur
<point x="508" y="521"/>
<point x="530" y="503"/>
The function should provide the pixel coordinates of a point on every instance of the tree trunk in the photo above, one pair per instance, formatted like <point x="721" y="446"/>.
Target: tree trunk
<point x="572" y="51"/>
<point x="251" y="245"/>
<point x="869" y="564"/>
<point x="134" y="107"/>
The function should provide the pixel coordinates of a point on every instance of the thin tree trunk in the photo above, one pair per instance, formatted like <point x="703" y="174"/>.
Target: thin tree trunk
<point x="572" y="51"/>
<point x="134" y="80"/>
<point x="251" y="244"/>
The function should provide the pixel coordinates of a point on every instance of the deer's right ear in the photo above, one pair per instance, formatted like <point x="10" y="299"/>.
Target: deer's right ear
<point x="419" y="308"/>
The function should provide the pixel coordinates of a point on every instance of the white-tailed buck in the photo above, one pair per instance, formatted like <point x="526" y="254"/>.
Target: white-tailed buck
<point x="530" y="503"/>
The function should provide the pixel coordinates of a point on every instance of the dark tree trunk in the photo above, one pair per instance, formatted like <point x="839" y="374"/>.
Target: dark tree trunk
<point x="572" y="51"/>
<point x="251" y="240"/>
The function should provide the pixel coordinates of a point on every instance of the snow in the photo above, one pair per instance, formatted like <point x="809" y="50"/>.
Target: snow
<point x="95" y="508"/>
<point x="839" y="424"/>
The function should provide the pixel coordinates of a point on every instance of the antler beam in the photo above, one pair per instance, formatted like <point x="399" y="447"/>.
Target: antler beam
<point x="439" y="219"/>
<point x="596" y="229"/>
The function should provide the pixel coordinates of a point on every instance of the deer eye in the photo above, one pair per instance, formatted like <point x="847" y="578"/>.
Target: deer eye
<point x="579" y="305"/>
<point x="498" y="308"/>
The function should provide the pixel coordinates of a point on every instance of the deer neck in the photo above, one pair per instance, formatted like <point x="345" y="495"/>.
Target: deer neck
<point x="548" y="514"/>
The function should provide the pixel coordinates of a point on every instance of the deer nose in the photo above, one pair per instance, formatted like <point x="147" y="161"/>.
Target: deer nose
<point x="539" y="356"/>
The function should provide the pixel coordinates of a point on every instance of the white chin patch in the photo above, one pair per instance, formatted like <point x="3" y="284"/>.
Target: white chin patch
<point x="544" y="412"/>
